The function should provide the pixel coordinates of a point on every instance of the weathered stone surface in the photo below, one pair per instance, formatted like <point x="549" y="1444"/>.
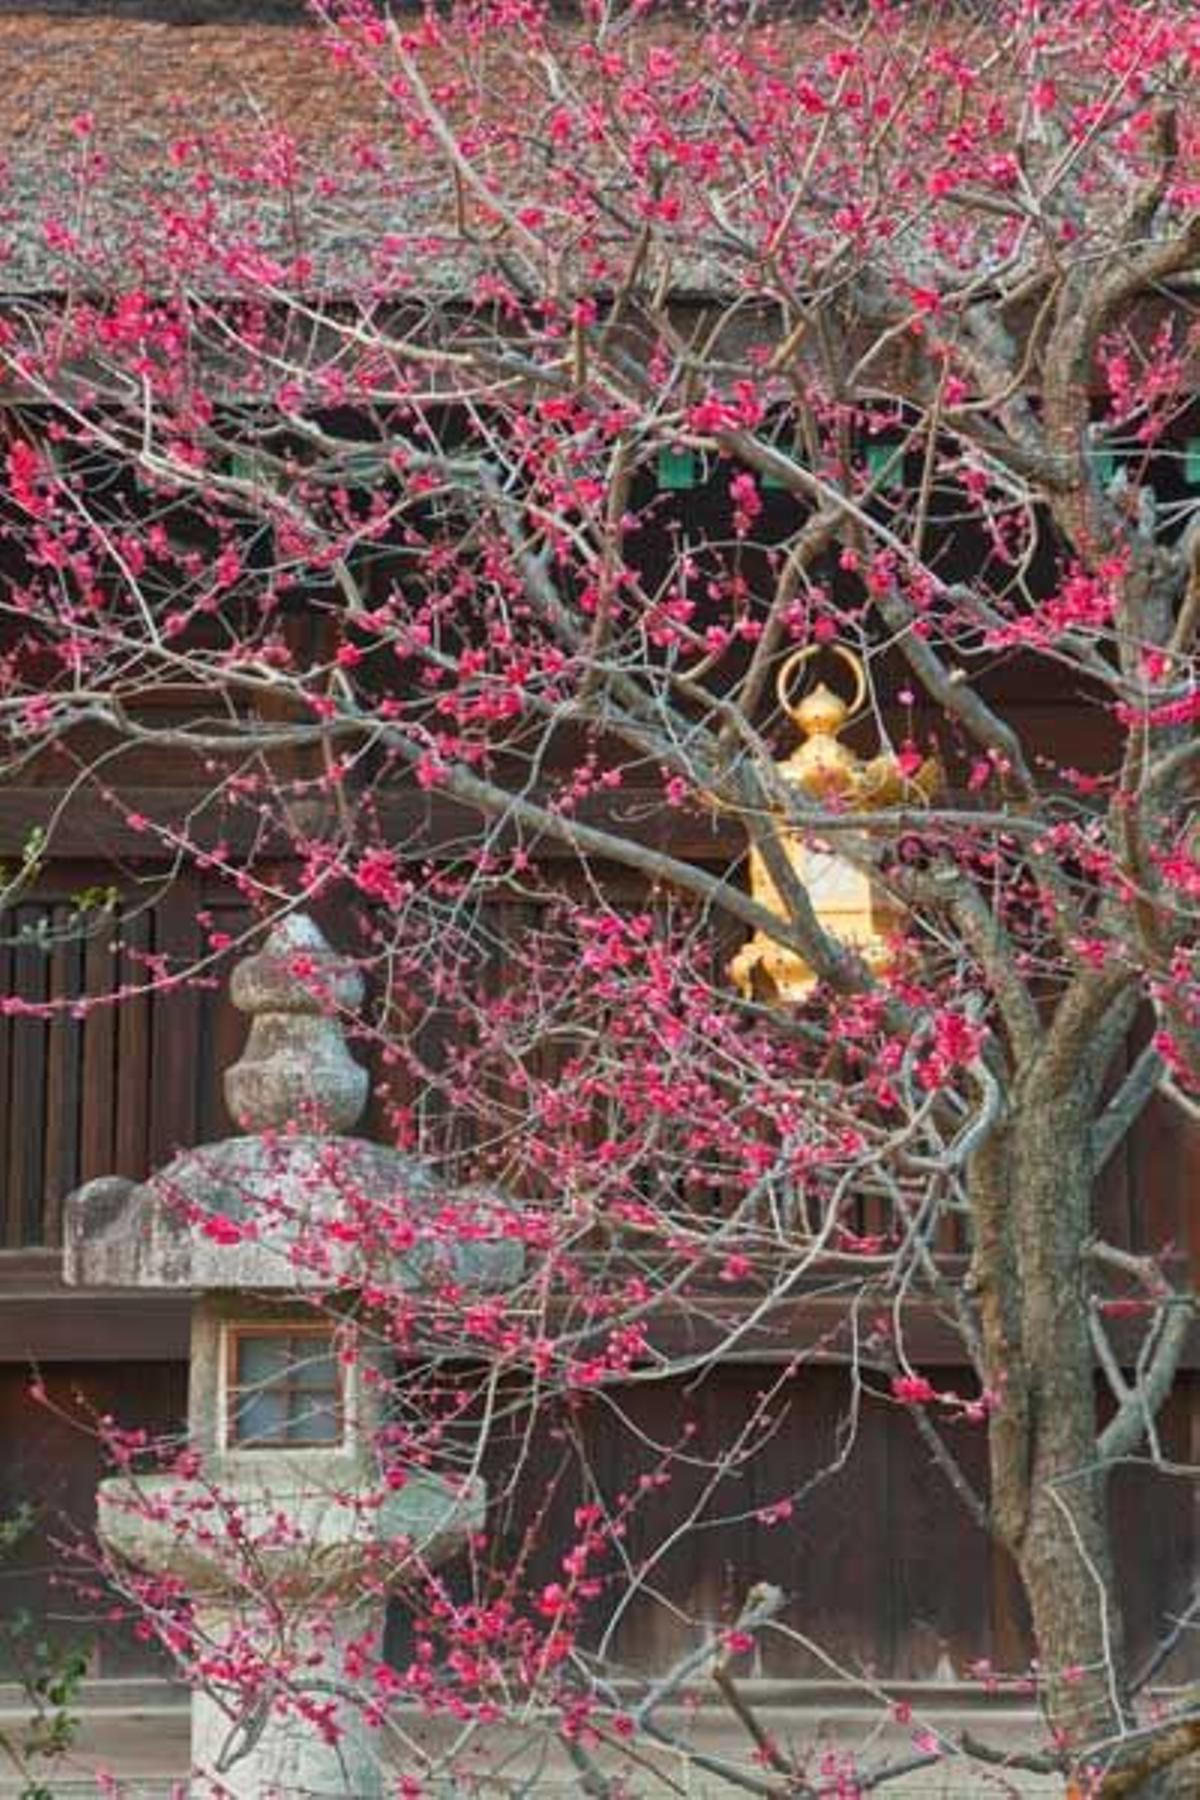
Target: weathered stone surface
<point x="284" y="1532"/>
<point x="268" y="1213"/>
<point x="273" y="1752"/>
<point x="325" y="1547"/>
<point x="286" y="1207"/>
<point x="295" y="1066"/>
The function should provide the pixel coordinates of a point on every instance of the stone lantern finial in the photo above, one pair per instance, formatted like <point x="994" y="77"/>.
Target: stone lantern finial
<point x="295" y="1065"/>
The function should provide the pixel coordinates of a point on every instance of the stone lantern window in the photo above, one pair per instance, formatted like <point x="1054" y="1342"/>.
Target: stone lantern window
<point x="283" y="1388"/>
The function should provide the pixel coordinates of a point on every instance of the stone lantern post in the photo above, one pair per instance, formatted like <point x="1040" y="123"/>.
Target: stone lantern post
<point x="279" y="1527"/>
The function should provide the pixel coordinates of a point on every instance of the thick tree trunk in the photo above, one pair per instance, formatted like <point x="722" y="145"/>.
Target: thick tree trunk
<point x="1033" y="1214"/>
<point x="1064" y="1552"/>
<point x="1066" y="1569"/>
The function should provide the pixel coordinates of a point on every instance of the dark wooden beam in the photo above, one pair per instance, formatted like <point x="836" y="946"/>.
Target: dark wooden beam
<point x="86" y="827"/>
<point x="44" y="1321"/>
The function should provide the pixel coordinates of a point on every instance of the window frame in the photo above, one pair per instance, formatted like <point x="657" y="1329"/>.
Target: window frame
<point x="234" y="1334"/>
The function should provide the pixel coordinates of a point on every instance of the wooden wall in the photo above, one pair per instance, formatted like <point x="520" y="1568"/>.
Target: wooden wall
<point x="52" y="1463"/>
<point x="116" y="1091"/>
<point x="883" y="1568"/>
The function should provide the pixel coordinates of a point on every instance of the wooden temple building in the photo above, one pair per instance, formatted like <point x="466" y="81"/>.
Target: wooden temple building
<point x="899" y="1581"/>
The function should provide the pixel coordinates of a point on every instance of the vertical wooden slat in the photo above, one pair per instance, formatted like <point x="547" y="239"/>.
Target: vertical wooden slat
<point x="1164" y="1158"/>
<point x="1188" y="1655"/>
<point x="27" y="1119"/>
<point x="63" y="1075"/>
<point x="52" y="1465"/>
<point x="1151" y="1522"/>
<point x="96" y="1126"/>
<point x="133" y="1051"/>
<point x="940" y="1561"/>
<point x="175" y="1033"/>
<point x="521" y="920"/>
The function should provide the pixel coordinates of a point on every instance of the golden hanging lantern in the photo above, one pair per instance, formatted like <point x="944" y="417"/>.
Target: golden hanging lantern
<point x="848" y="904"/>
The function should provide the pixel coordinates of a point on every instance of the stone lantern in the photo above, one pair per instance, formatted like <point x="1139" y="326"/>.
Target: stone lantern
<point x="278" y="1525"/>
<point x="850" y="906"/>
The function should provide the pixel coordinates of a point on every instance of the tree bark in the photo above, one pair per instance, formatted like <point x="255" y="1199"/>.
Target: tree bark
<point x="1064" y="1555"/>
<point x="1033" y="1193"/>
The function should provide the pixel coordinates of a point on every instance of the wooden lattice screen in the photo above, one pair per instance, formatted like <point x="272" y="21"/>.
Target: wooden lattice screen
<point x="113" y="1091"/>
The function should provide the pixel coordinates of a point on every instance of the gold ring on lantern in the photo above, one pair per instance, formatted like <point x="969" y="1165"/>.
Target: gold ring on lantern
<point x="801" y="658"/>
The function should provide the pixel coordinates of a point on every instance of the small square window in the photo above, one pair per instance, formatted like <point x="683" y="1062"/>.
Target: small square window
<point x="678" y="468"/>
<point x="885" y="463"/>
<point x="284" y="1389"/>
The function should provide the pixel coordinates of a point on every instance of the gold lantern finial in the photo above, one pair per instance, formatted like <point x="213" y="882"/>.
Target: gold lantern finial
<point x="824" y="768"/>
<point x="847" y="904"/>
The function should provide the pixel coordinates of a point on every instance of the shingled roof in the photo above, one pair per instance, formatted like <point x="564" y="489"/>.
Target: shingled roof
<point x="109" y="108"/>
<point x="110" y="83"/>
